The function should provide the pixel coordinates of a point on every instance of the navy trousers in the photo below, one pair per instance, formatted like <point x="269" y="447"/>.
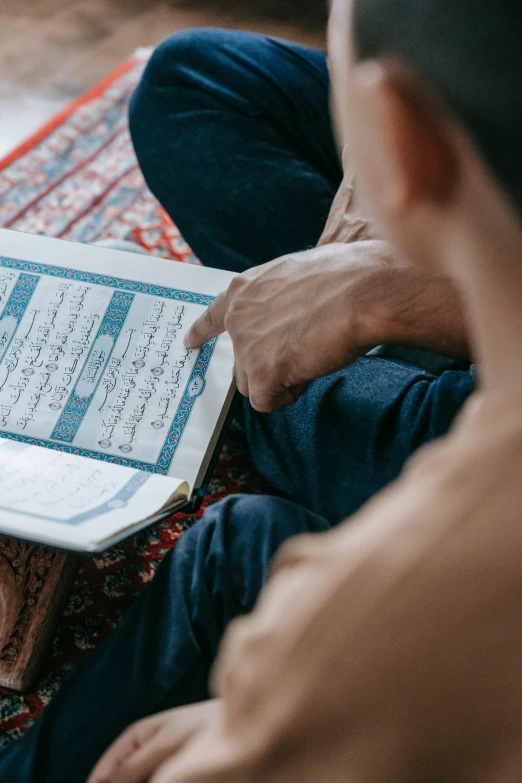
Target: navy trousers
<point x="233" y="135"/>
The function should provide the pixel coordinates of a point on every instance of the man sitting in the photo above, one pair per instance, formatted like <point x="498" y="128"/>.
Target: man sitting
<point x="234" y="136"/>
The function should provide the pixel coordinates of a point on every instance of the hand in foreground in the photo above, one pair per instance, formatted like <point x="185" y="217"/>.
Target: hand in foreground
<point x="307" y="315"/>
<point x="144" y="747"/>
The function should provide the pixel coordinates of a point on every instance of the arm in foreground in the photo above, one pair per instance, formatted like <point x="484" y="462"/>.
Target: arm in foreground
<point x="385" y="651"/>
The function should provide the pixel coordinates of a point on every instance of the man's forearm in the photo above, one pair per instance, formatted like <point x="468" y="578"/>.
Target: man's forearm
<point x="403" y="305"/>
<point x="398" y="303"/>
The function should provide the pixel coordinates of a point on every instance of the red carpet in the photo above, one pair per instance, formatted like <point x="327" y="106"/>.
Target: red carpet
<point x="78" y="178"/>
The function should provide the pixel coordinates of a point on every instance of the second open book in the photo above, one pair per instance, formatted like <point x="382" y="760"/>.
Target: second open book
<point x="106" y="421"/>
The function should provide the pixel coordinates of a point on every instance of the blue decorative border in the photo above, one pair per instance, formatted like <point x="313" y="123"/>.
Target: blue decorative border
<point x="20" y="296"/>
<point x="18" y="303"/>
<point x="188" y="399"/>
<point x="69" y="423"/>
<point x="184" y="408"/>
<point x="171" y="441"/>
<point x="120" y="500"/>
<point x="118" y="283"/>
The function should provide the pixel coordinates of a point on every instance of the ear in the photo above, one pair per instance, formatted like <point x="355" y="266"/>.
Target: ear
<point x="411" y="139"/>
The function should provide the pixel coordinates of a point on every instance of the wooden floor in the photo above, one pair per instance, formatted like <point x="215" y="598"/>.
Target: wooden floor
<point x="52" y="50"/>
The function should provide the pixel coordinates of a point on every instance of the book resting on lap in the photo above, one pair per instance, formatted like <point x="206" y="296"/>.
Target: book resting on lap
<point x="107" y="422"/>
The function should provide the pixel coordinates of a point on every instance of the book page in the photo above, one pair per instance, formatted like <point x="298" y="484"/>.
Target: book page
<point x="92" y="359"/>
<point x="67" y="500"/>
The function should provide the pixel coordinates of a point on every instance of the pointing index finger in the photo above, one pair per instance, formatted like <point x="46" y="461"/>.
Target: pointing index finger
<point x="208" y="325"/>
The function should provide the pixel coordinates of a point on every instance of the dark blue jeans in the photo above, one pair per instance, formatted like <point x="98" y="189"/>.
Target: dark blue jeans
<point x="233" y="135"/>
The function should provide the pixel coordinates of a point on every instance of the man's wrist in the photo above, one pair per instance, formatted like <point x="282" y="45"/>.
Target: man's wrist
<point x="406" y="306"/>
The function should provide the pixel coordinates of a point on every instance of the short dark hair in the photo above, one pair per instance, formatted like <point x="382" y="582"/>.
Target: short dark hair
<point x="470" y="53"/>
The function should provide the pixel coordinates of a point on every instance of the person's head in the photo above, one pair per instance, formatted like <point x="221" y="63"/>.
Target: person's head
<point x="428" y="97"/>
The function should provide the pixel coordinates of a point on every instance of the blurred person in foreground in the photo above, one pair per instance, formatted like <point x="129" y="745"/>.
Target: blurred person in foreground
<point x="389" y="649"/>
<point x="385" y="650"/>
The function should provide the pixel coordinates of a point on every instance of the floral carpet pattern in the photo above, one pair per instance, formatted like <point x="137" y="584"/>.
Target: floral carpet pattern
<point x="78" y="179"/>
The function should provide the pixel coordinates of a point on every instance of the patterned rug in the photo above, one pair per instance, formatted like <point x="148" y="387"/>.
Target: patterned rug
<point x="78" y="178"/>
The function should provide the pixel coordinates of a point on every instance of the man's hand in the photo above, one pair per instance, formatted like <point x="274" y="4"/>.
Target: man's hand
<point x="144" y="747"/>
<point x="307" y="315"/>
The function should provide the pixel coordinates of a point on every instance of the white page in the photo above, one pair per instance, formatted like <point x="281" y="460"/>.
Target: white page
<point x="91" y="354"/>
<point x="72" y="501"/>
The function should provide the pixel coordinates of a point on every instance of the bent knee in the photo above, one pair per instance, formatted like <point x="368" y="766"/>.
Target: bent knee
<point x="263" y="521"/>
<point x="184" y="73"/>
<point x="182" y="52"/>
<point x="192" y="57"/>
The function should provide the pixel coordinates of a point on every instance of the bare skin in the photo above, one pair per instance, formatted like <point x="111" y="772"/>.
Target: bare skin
<point x="307" y="315"/>
<point x="346" y="222"/>
<point x="140" y="750"/>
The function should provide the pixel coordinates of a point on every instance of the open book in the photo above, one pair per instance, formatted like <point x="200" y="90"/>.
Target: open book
<point x="107" y="423"/>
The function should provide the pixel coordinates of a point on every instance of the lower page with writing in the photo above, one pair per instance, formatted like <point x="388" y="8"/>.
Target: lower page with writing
<point x="73" y="502"/>
<point x="92" y="359"/>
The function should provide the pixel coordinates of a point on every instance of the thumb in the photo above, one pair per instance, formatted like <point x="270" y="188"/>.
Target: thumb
<point x="266" y="400"/>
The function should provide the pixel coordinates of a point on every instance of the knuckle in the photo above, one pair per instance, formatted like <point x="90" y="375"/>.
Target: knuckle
<point x="260" y="403"/>
<point x="236" y="284"/>
<point x="275" y="372"/>
<point x="259" y="376"/>
<point x="261" y="393"/>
